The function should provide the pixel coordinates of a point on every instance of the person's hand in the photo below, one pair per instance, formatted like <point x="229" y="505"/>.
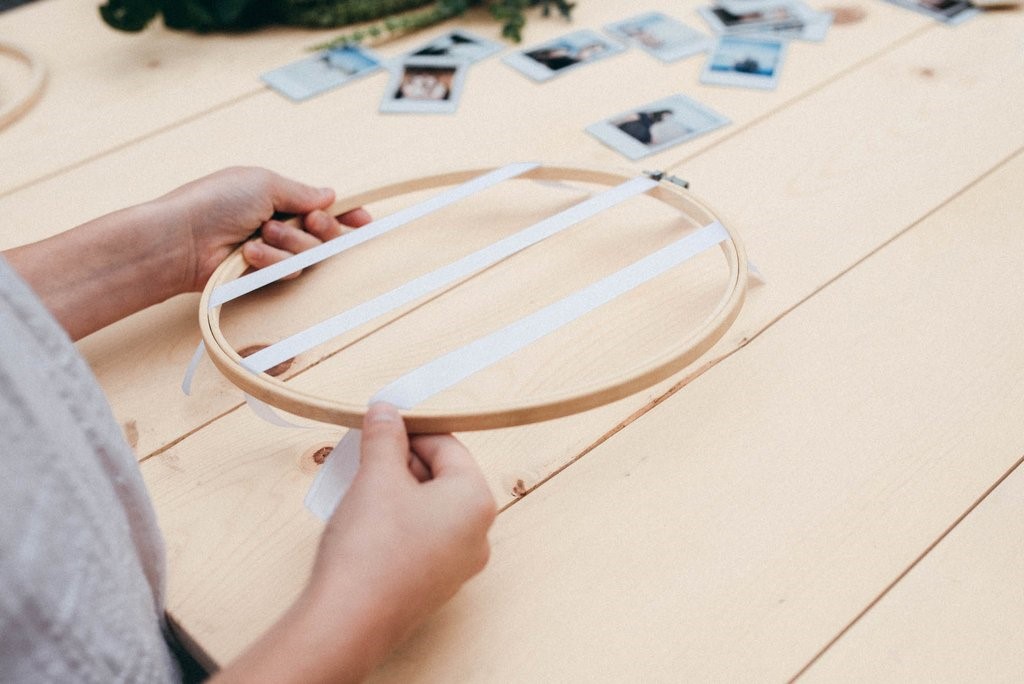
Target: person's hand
<point x="101" y="271"/>
<point x="410" y="531"/>
<point x="413" y="526"/>
<point x="219" y="211"/>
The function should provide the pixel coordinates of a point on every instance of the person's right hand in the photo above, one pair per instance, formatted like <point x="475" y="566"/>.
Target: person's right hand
<point x="409" y="532"/>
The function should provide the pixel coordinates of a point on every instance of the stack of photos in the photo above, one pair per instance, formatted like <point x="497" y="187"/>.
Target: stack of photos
<point x="950" y="12"/>
<point x="661" y="36"/>
<point x="658" y="126"/>
<point x="752" y="39"/>
<point x="789" y="19"/>
<point x="429" y="79"/>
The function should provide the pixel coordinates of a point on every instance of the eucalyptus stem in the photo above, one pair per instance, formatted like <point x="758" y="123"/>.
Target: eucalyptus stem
<point x="397" y="25"/>
<point x="391" y="17"/>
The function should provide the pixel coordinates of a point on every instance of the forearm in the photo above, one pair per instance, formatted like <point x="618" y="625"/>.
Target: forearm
<point x="318" y="640"/>
<point x="104" y="270"/>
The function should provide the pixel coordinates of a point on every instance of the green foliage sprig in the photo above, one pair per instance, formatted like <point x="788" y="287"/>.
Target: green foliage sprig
<point x="392" y="17"/>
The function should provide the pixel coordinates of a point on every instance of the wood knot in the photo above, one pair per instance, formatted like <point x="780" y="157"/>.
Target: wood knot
<point x="275" y="371"/>
<point x="313" y="457"/>
<point x="131" y="433"/>
<point x="321" y="454"/>
<point x="519" y="489"/>
<point x="926" y="72"/>
<point x="846" y="14"/>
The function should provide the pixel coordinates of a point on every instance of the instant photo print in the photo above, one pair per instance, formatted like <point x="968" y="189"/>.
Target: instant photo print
<point x="325" y="71"/>
<point x="562" y="55"/>
<point x="426" y="85"/>
<point x="950" y="12"/>
<point x="647" y="130"/>
<point x="661" y="36"/>
<point x="458" y="44"/>
<point x="745" y="61"/>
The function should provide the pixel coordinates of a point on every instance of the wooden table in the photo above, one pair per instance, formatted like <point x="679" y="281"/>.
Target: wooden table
<point x="831" y="493"/>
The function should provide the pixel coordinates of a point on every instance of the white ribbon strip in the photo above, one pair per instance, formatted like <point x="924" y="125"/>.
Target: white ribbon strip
<point x="268" y="414"/>
<point x="455" y="366"/>
<point x="336" y="474"/>
<point x="246" y="284"/>
<point x="755" y="273"/>
<point x="297" y="262"/>
<point x="193" y="365"/>
<point x="298" y="343"/>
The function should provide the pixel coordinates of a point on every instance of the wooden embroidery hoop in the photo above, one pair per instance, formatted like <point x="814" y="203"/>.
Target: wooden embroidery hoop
<point x="422" y="420"/>
<point x="10" y="112"/>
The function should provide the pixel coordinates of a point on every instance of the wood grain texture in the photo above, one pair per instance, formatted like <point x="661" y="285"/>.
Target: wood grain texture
<point x="815" y="200"/>
<point x="956" y="616"/>
<point x="957" y="613"/>
<point x="730" y="532"/>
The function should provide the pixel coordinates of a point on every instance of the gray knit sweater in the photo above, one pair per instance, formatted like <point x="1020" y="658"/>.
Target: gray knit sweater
<point x="81" y="559"/>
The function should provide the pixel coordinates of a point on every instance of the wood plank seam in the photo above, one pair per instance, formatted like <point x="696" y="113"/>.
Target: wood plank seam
<point x="838" y="76"/>
<point x="128" y="143"/>
<point x="906" y="571"/>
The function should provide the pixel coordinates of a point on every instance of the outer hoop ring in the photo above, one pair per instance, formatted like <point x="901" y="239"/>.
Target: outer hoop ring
<point x="279" y="394"/>
<point x="10" y="113"/>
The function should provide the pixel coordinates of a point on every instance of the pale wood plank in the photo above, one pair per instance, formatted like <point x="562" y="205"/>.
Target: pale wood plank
<point x="107" y="88"/>
<point x="956" y="616"/>
<point x="799" y="243"/>
<point x="316" y="143"/>
<point x="727" y="534"/>
<point x="957" y="613"/>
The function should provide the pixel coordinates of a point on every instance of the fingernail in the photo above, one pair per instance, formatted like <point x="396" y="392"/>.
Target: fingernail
<point x="251" y="250"/>
<point x="272" y="229"/>
<point x="382" y="412"/>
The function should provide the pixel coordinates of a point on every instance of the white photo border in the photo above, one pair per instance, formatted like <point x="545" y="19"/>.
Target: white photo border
<point x="711" y="76"/>
<point x="526" y="65"/>
<point x="611" y="135"/>
<point x="392" y="105"/>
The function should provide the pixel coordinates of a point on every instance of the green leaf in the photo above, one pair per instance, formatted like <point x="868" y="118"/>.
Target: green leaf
<point x="129" y="15"/>
<point x="229" y="11"/>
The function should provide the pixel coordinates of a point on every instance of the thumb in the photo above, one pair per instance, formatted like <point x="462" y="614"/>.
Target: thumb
<point x="385" y="443"/>
<point x="293" y="197"/>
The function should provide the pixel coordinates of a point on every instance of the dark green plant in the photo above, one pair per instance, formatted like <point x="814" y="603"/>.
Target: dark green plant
<point x="392" y="17"/>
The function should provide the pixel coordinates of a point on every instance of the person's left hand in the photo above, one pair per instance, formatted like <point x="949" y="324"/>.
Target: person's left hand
<point x="225" y="208"/>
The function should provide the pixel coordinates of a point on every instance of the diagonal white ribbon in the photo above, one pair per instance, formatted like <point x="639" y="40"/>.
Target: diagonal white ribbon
<point x="246" y="284"/>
